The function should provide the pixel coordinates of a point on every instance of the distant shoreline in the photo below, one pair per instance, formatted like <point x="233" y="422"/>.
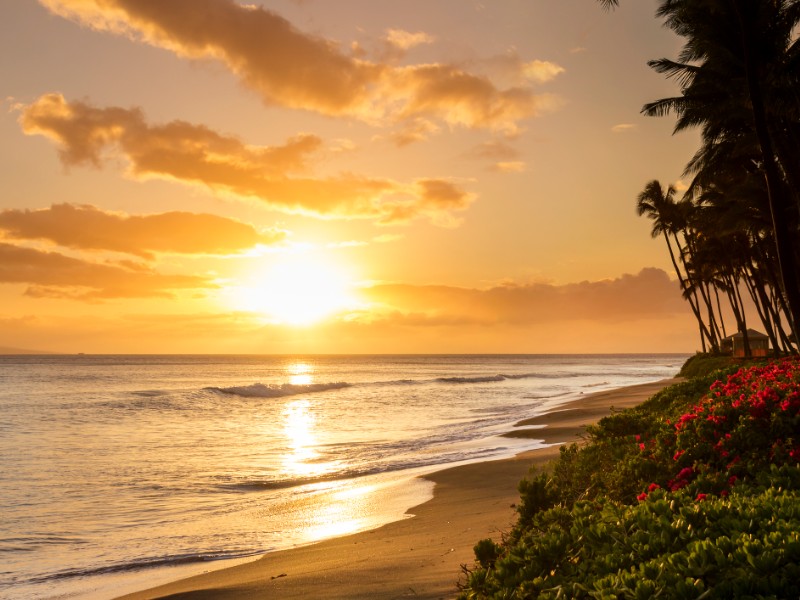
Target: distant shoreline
<point x="418" y="557"/>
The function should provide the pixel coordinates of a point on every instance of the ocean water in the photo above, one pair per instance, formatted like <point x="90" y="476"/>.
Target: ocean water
<point x="118" y="470"/>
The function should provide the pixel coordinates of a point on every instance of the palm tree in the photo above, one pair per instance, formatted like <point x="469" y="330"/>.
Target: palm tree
<point x="739" y="72"/>
<point x="737" y="54"/>
<point x="659" y="206"/>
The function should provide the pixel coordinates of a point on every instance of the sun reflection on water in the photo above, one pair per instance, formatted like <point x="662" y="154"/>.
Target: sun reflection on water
<point x="344" y="511"/>
<point x="340" y="508"/>
<point x="300" y="373"/>
<point x="298" y="427"/>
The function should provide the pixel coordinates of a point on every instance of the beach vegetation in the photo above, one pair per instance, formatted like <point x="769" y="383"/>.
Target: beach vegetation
<point x="693" y="494"/>
<point x="702" y="363"/>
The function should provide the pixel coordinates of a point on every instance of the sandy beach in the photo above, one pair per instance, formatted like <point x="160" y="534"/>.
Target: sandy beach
<point x="419" y="557"/>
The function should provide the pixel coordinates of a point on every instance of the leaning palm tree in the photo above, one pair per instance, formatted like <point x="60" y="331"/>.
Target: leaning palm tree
<point x="660" y="207"/>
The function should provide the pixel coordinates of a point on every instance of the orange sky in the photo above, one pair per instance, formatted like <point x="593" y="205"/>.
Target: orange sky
<point x="349" y="176"/>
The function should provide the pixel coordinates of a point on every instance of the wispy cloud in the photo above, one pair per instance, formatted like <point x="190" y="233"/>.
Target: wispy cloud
<point x="504" y="157"/>
<point x="623" y="128"/>
<point x="89" y="228"/>
<point x="494" y="150"/>
<point x="290" y="68"/>
<point x="680" y="185"/>
<point x="413" y="130"/>
<point x="514" y="166"/>
<point x="405" y="40"/>
<point x="195" y="154"/>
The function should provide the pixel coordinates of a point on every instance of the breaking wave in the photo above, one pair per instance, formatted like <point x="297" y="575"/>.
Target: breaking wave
<point x="262" y="390"/>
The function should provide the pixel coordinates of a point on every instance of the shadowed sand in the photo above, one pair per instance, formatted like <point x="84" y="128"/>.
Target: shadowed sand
<point x="418" y="557"/>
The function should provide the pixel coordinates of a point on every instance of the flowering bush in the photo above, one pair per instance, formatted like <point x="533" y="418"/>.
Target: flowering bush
<point x="741" y="426"/>
<point x="693" y="494"/>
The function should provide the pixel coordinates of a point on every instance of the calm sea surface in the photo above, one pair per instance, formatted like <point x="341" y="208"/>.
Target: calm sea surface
<point x="117" y="470"/>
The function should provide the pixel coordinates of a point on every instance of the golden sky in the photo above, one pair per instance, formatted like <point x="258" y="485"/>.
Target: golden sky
<point x="351" y="176"/>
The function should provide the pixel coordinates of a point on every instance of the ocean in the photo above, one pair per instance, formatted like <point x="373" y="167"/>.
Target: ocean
<point x="118" y="472"/>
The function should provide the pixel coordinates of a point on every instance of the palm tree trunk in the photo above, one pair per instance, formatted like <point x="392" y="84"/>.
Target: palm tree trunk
<point x="687" y="284"/>
<point x="779" y="204"/>
<point x="719" y="312"/>
<point x="761" y="302"/>
<point x="693" y="304"/>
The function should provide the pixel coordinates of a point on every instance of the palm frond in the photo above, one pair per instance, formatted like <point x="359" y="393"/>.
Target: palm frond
<point x="608" y="4"/>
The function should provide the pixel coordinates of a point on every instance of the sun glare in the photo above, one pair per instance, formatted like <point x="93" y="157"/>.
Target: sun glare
<point x="299" y="291"/>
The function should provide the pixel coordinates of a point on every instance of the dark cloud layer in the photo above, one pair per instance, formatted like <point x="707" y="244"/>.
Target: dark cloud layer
<point x="646" y="295"/>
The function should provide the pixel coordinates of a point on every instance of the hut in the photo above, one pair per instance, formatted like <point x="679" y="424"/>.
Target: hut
<point x="759" y="344"/>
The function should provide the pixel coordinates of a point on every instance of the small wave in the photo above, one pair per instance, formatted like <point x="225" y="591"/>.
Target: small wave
<point x="399" y="382"/>
<point x="482" y="379"/>
<point x="146" y="563"/>
<point x="540" y="375"/>
<point x="506" y="376"/>
<point x="590" y="385"/>
<point x="544" y="396"/>
<point x="262" y="390"/>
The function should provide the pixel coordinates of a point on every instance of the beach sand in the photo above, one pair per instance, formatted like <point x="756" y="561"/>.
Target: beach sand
<point x="420" y="557"/>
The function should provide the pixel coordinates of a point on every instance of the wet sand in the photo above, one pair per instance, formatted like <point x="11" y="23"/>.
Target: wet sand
<point x="420" y="557"/>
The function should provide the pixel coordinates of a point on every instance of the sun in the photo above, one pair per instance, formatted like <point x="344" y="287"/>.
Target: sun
<point x="301" y="290"/>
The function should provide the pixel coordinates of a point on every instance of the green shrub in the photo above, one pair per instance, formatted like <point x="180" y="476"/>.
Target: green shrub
<point x="702" y="364"/>
<point x="685" y="496"/>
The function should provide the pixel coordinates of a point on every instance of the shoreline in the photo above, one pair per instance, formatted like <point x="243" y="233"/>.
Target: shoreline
<point x="417" y="557"/>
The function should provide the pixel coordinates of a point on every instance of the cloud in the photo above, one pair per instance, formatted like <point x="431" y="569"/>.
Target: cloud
<point x="649" y="294"/>
<point x="414" y="130"/>
<point x="293" y="69"/>
<point x="89" y="228"/>
<point x="680" y="185"/>
<point x="405" y="40"/>
<point x="194" y="154"/>
<point x="511" y="69"/>
<point x="631" y="313"/>
<point x="623" y="127"/>
<point x="504" y="157"/>
<point x="515" y="166"/>
<point x="54" y="275"/>
<point x="459" y="98"/>
<point x="495" y="150"/>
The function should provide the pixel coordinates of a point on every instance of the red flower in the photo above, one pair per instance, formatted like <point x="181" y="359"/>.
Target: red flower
<point x="642" y="497"/>
<point x="674" y="486"/>
<point x="653" y="487"/>
<point x="700" y="497"/>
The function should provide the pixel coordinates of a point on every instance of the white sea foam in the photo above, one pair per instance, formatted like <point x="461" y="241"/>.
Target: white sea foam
<point x="262" y="390"/>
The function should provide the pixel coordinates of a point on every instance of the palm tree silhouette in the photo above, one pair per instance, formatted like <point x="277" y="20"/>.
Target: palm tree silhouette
<point x="739" y="72"/>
